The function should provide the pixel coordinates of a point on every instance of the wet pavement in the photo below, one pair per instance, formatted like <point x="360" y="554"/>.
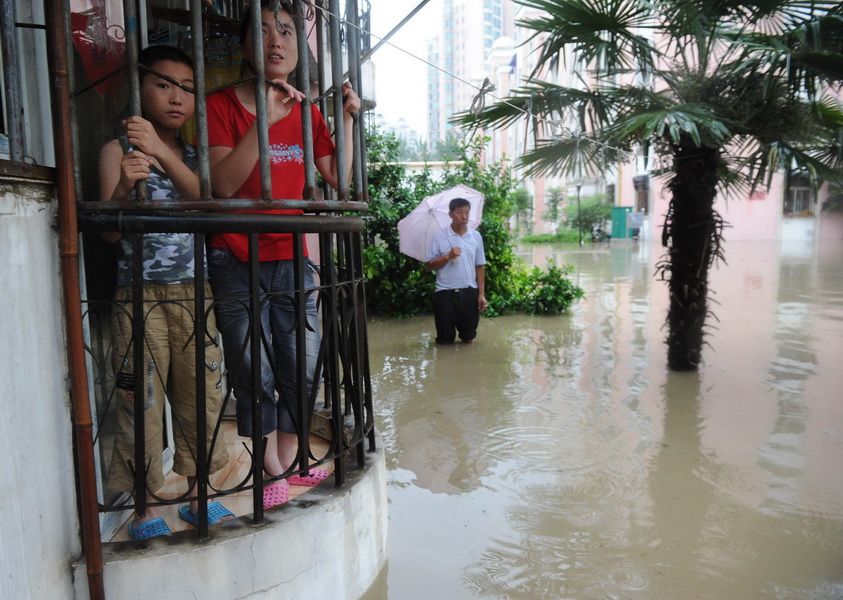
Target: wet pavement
<point x="557" y="458"/>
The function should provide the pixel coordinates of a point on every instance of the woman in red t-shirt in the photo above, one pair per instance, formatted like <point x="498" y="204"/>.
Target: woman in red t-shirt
<point x="235" y="173"/>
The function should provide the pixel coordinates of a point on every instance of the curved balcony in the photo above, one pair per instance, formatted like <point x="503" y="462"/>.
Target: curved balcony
<point x="337" y="528"/>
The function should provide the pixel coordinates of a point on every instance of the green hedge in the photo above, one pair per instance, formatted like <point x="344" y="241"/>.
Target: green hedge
<point x="398" y="285"/>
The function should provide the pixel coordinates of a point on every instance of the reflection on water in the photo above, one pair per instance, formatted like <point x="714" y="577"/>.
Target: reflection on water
<point x="556" y="458"/>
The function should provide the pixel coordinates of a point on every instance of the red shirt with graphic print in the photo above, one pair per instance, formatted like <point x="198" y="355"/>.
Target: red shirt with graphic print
<point x="228" y="122"/>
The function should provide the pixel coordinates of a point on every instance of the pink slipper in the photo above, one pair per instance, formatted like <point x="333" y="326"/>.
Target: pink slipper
<point x="313" y="477"/>
<point x="276" y="494"/>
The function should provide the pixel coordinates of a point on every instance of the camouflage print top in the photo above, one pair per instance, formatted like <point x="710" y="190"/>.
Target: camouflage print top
<point x="167" y="257"/>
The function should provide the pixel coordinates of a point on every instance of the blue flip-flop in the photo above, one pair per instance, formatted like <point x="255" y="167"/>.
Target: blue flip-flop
<point x="148" y="529"/>
<point x="216" y="513"/>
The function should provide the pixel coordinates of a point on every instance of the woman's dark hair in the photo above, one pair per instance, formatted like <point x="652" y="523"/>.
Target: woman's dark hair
<point x="153" y="54"/>
<point x="274" y="5"/>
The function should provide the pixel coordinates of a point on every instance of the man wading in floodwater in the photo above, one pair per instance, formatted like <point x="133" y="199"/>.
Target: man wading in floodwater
<point x="456" y="254"/>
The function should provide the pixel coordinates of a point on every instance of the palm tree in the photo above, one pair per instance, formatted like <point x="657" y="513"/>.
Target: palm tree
<point x="724" y="92"/>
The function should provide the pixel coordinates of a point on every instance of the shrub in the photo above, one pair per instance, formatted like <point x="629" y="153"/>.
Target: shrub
<point x="563" y="236"/>
<point x="397" y="284"/>
<point x="592" y="211"/>
<point x="549" y="292"/>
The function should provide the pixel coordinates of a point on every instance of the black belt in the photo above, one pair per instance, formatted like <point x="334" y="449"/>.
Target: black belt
<point x="456" y="290"/>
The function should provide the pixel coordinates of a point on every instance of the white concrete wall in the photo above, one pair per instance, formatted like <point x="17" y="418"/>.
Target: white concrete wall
<point x="38" y="520"/>
<point x="330" y="543"/>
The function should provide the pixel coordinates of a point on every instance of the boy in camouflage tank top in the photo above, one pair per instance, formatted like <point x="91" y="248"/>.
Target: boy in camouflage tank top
<point x="152" y="151"/>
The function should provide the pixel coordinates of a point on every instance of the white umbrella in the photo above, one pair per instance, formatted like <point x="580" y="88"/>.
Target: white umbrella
<point x="431" y="216"/>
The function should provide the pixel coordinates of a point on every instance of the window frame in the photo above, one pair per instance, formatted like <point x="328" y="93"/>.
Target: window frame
<point x="29" y="46"/>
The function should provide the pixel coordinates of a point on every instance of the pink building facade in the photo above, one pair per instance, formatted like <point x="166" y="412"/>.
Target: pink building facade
<point x="779" y="212"/>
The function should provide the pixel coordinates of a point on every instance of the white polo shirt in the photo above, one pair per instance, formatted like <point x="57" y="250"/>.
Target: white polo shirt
<point x="460" y="272"/>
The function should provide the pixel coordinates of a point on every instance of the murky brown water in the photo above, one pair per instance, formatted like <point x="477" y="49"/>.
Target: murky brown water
<point x="557" y="458"/>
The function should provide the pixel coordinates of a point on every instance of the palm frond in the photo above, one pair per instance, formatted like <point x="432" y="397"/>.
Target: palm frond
<point x="829" y="112"/>
<point x="572" y="155"/>
<point x="732" y="182"/>
<point x="807" y="57"/>
<point x="759" y="167"/>
<point x="600" y="32"/>
<point x="829" y="115"/>
<point x="771" y="17"/>
<point x="674" y="123"/>
<point x="825" y="65"/>
<point x="552" y="103"/>
<point x="774" y="17"/>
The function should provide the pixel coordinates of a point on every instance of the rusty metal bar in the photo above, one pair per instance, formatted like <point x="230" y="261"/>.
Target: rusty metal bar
<point x="260" y="101"/>
<point x="139" y="372"/>
<point x="320" y="60"/>
<point x="199" y="334"/>
<point x="303" y="79"/>
<point x="204" y="168"/>
<point x="213" y="223"/>
<point x="331" y="329"/>
<point x="132" y="49"/>
<point x="224" y="205"/>
<point x="352" y="40"/>
<point x="11" y="80"/>
<point x="201" y="114"/>
<point x="256" y="333"/>
<point x="58" y="47"/>
<point x="138" y="333"/>
<point x="302" y="395"/>
<point x="337" y="76"/>
<point x="361" y="116"/>
<point x="358" y="359"/>
<point x="363" y="33"/>
<point x="366" y="373"/>
<point x="327" y="190"/>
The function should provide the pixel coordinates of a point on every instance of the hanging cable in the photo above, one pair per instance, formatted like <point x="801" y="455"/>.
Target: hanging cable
<point x="553" y="124"/>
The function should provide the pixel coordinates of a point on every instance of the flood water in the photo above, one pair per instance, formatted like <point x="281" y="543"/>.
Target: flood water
<point x="557" y="458"/>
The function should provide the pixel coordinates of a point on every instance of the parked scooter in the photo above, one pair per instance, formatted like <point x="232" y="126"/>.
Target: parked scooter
<point x="598" y="235"/>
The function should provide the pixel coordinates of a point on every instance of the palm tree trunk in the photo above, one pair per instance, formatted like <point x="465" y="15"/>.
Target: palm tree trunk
<point x="692" y="234"/>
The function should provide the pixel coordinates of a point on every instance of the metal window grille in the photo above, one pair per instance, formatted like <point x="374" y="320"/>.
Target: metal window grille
<point x="342" y="364"/>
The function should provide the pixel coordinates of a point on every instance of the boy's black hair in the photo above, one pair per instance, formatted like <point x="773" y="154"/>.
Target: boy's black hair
<point x="153" y="54"/>
<point x="458" y="203"/>
<point x="246" y="23"/>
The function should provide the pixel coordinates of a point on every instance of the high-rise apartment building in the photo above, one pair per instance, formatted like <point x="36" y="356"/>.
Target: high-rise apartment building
<point x="434" y="90"/>
<point x="469" y="30"/>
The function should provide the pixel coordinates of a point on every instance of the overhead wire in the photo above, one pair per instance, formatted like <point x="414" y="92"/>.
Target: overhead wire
<point x="482" y="91"/>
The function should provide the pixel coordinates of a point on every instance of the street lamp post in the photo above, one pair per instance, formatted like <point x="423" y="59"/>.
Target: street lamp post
<point x="579" y="221"/>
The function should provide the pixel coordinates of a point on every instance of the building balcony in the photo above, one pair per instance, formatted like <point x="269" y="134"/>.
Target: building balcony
<point x="327" y="542"/>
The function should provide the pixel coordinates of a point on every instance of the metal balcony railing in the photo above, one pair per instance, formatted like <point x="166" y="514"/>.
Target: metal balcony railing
<point x="342" y="370"/>
<point x="342" y="366"/>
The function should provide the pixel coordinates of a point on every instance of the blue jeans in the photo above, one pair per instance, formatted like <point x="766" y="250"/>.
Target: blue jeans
<point x="229" y="280"/>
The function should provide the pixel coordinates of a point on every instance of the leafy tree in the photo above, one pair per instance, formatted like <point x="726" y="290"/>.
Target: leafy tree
<point x="522" y="207"/>
<point x="421" y="152"/>
<point x="448" y="149"/>
<point x="592" y="211"/>
<point x="726" y="92"/>
<point x="399" y="285"/>
<point x="555" y="197"/>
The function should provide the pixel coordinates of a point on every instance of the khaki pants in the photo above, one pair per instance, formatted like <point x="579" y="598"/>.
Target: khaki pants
<point x="169" y="367"/>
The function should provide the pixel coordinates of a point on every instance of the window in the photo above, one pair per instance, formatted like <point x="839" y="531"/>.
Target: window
<point x="799" y="197"/>
<point x="799" y="202"/>
<point x="32" y="90"/>
<point x="4" y="138"/>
